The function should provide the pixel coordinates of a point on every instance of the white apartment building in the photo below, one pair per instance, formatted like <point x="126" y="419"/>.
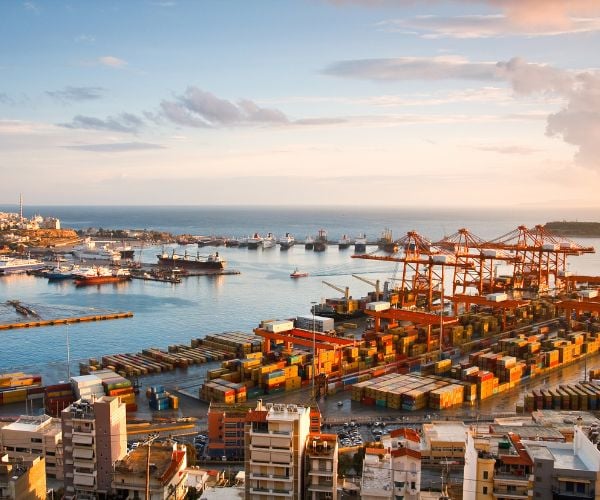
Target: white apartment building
<point x="275" y="440"/>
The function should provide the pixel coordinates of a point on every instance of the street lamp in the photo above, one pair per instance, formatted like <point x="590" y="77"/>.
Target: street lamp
<point x="314" y="373"/>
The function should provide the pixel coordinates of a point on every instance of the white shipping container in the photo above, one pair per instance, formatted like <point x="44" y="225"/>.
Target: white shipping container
<point x="321" y="324"/>
<point x="378" y="306"/>
<point x="550" y="246"/>
<point x="588" y="294"/>
<point x="279" y="326"/>
<point x="496" y="297"/>
<point x="491" y="253"/>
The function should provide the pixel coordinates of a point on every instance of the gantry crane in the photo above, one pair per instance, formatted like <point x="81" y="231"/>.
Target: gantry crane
<point x="423" y="268"/>
<point x="476" y="263"/>
<point x="539" y="255"/>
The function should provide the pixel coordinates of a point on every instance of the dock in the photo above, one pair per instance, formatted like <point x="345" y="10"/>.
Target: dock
<point x="65" y="321"/>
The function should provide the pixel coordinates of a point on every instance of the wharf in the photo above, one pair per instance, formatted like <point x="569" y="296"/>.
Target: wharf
<point x="64" y="321"/>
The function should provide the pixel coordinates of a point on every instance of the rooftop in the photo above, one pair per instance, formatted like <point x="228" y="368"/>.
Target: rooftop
<point x="164" y="461"/>
<point x="322" y="445"/>
<point x="34" y="424"/>
<point x="285" y="412"/>
<point x="445" y="431"/>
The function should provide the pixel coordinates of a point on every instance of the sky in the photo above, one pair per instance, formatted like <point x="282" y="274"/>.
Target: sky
<point x="483" y="103"/>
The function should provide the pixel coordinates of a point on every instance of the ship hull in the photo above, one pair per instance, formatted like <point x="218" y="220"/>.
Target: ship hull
<point x="99" y="280"/>
<point x="190" y="264"/>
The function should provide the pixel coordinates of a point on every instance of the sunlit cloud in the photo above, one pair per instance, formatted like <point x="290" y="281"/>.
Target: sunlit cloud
<point x="116" y="147"/>
<point x="112" y="62"/>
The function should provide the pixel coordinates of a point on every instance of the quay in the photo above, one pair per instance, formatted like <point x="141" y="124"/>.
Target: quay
<point x="65" y="321"/>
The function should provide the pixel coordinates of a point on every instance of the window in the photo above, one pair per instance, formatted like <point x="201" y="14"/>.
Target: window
<point x="580" y="488"/>
<point x="485" y="474"/>
<point x="413" y="485"/>
<point x="485" y="490"/>
<point x="569" y="486"/>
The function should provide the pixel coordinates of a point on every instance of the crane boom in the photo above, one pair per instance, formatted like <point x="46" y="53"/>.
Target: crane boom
<point x="375" y="284"/>
<point x="345" y="291"/>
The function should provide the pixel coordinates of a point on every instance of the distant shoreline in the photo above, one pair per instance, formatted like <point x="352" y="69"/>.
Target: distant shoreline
<point x="574" y="228"/>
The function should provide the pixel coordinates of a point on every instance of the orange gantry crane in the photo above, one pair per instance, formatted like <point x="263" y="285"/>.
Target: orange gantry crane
<point x="539" y="255"/>
<point x="476" y="263"/>
<point x="417" y="317"/>
<point x="423" y="269"/>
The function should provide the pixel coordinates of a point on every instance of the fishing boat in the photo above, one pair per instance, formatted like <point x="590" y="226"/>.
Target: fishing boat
<point x="298" y="274"/>
<point x="344" y="242"/>
<point x="101" y="275"/>
<point x="287" y="241"/>
<point x="309" y="243"/>
<point x="360" y="243"/>
<point x="212" y="261"/>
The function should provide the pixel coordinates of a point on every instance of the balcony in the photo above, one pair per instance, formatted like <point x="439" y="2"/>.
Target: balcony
<point x="269" y="433"/>
<point x="271" y="492"/>
<point x="505" y="478"/>
<point x="274" y="477"/>
<point x="320" y="471"/>
<point x="513" y="495"/>
<point x="82" y="439"/>
<point x="325" y="486"/>
<point x="561" y="494"/>
<point x="81" y="479"/>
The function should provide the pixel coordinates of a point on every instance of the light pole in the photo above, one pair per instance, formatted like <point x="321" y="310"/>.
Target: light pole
<point x="314" y="372"/>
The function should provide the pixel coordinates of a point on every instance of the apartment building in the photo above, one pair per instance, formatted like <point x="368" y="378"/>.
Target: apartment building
<point x="226" y="426"/>
<point x="94" y="438"/>
<point x="377" y="477"/>
<point x="167" y="476"/>
<point x="444" y="441"/>
<point x="405" y="451"/>
<point x="275" y="440"/>
<point x="321" y="474"/>
<point x="563" y="471"/>
<point x="22" y="479"/>
<point x="32" y="436"/>
<point x="497" y="468"/>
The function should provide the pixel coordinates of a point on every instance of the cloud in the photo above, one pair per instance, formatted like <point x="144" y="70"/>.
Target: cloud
<point x="413" y="68"/>
<point x="530" y="16"/>
<point x="116" y="147"/>
<point x="509" y="150"/>
<point x="83" y="38"/>
<point x="578" y="122"/>
<point x="125" y="122"/>
<point x="5" y="98"/>
<point x="199" y="108"/>
<point x="31" y="7"/>
<point x="76" y="94"/>
<point x="483" y="26"/>
<point x="112" y="62"/>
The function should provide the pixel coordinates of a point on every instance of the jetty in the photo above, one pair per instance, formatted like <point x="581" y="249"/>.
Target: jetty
<point x="65" y="321"/>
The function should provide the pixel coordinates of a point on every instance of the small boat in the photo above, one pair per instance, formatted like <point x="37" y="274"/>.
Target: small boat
<point x="298" y="274"/>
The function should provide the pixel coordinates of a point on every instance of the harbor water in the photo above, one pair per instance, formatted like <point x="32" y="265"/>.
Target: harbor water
<point x="167" y="313"/>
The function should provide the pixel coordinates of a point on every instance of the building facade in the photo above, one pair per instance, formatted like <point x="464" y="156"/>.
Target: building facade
<point x="22" y="479"/>
<point x="168" y="478"/>
<point x="32" y="436"/>
<point x="226" y="425"/>
<point x="321" y="474"/>
<point x="275" y="440"/>
<point x="94" y="438"/>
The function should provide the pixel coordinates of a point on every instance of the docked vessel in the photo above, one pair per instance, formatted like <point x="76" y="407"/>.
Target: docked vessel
<point x="269" y="241"/>
<point x="100" y="275"/>
<point x="60" y="273"/>
<point x="360" y="243"/>
<point x="12" y="265"/>
<point x="309" y="243"/>
<point x="126" y="251"/>
<point x="344" y="242"/>
<point x="321" y="241"/>
<point x="386" y="242"/>
<point x="298" y="274"/>
<point x="88" y="250"/>
<point x="255" y="242"/>
<point x="212" y="261"/>
<point x="286" y="241"/>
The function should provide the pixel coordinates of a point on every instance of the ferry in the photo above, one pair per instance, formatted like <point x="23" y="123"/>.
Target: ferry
<point x="12" y="265"/>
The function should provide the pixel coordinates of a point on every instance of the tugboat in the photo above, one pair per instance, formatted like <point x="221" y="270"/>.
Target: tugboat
<point x="298" y="274"/>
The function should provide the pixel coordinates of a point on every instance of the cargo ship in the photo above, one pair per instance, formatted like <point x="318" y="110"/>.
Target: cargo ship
<point x="101" y="275"/>
<point x="286" y="242"/>
<point x="360" y="243"/>
<point x="344" y="242"/>
<point x="321" y="241"/>
<point x="211" y="262"/>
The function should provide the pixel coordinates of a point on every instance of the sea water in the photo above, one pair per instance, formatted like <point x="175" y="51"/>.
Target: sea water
<point x="175" y="313"/>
